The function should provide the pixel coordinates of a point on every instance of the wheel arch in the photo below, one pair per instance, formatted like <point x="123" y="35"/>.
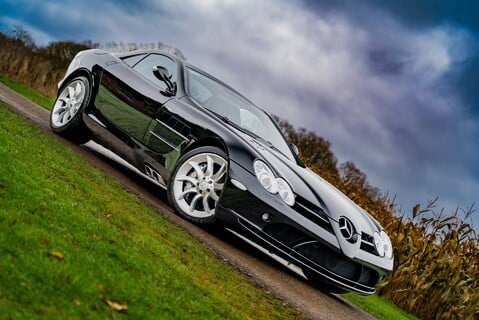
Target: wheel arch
<point x="77" y="73"/>
<point x="208" y="142"/>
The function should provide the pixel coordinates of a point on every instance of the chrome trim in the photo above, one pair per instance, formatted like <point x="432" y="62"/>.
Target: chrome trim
<point x="304" y="243"/>
<point x="284" y="262"/>
<point x="94" y="118"/>
<point x="170" y="128"/>
<point x="164" y="140"/>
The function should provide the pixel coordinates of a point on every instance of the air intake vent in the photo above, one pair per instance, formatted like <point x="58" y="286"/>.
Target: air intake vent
<point x="313" y="213"/>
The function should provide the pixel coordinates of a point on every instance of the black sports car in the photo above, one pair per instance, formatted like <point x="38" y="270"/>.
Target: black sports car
<point x="223" y="159"/>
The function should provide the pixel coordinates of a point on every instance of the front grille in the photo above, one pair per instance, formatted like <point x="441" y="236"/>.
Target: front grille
<point x="313" y="213"/>
<point x="338" y="263"/>
<point x="338" y="266"/>
<point x="367" y="243"/>
<point x="286" y="234"/>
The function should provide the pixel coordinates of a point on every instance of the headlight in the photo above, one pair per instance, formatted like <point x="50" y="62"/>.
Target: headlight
<point x="378" y="242"/>
<point x="285" y="191"/>
<point x="388" y="247"/>
<point x="265" y="176"/>
<point x="272" y="184"/>
<point x="383" y="244"/>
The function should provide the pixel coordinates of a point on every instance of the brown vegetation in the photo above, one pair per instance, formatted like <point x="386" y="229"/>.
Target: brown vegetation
<point x="38" y="68"/>
<point x="436" y="270"/>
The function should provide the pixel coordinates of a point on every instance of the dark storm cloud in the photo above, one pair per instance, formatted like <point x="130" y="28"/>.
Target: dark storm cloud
<point x="393" y="96"/>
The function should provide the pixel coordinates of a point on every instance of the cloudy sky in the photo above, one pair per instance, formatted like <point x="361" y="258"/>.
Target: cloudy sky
<point x="392" y="84"/>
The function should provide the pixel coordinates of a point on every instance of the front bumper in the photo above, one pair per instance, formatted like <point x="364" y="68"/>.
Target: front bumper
<point x="301" y="235"/>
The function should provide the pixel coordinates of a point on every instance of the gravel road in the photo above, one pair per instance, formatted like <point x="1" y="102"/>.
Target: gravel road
<point x="294" y="291"/>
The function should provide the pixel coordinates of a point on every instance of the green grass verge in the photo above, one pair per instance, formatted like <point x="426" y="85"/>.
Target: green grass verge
<point x="376" y="306"/>
<point x="72" y="239"/>
<point x="379" y="307"/>
<point x="40" y="99"/>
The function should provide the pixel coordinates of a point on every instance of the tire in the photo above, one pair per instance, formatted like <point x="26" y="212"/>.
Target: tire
<point x="196" y="184"/>
<point x="66" y="115"/>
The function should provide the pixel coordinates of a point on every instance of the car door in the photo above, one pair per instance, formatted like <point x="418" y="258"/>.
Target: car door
<point x="128" y="100"/>
<point x="167" y="132"/>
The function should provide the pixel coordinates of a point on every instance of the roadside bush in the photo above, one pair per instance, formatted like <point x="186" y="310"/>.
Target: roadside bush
<point x="38" y="68"/>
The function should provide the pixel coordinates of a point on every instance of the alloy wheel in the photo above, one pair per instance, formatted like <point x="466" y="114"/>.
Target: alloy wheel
<point x="198" y="183"/>
<point x="68" y="103"/>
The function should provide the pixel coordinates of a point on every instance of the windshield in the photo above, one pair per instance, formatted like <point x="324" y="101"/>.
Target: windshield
<point x="236" y="110"/>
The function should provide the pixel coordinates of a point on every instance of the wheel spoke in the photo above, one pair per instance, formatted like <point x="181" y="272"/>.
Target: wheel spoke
<point x="64" y="100"/>
<point x="206" y="205"/>
<point x="66" y="117"/>
<point x="188" y="179"/>
<point x="72" y="111"/>
<point x="71" y="92"/>
<point x="194" y="201"/>
<point x="220" y="173"/>
<point x="59" y="111"/>
<point x="197" y="168"/>
<point x="209" y="166"/>
<point x="79" y="92"/>
<point x="187" y="191"/>
<point x="214" y="196"/>
<point x="219" y="186"/>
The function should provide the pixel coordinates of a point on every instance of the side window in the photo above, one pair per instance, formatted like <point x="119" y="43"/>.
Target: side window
<point x="145" y="68"/>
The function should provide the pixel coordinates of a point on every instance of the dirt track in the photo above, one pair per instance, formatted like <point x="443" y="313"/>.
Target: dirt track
<point x="314" y="303"/>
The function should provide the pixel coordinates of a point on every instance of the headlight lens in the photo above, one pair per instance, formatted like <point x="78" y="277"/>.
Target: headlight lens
<point x="388" y="247"/>
<point x="272" y="184"/>
<point x="383" y="244"/>
<point x="265" y="176"/>
<point x="378" y="242"/>
<point x="285" y="191"/>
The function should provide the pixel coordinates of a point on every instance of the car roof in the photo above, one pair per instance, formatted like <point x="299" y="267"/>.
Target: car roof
<point x="183" y="63"/>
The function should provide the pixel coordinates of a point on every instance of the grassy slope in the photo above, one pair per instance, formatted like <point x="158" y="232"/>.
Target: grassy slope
<point x="33" y="95"/>
<point x="72" y="238"/>
<point x="378" y="307"/>
<point x="374" y="305"/>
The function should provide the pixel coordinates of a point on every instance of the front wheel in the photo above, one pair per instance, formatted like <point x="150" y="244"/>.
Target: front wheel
<point x="66" y="115"/>
<point x="196" y="184"/>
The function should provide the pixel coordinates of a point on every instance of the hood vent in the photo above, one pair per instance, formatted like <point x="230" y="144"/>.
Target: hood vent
<point x="313" y="213"/>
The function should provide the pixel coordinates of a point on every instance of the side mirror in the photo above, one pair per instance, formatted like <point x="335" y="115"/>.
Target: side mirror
<point x="164" y="75"/>
<point x="294" y="148"/>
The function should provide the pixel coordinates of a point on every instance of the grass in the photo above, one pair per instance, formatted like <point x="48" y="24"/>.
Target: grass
<point x="73" y="240"/>
<point x="113" y="247"/>
<point x="378" y="307"/>
<point x="40" y="99"/>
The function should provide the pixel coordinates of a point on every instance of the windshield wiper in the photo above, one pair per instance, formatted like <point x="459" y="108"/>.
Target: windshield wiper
<point x="237" y="126"/>
<point x="248" y="132"/>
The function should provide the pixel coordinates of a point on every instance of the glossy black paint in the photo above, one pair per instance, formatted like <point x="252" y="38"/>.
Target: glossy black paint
<point x="151" y="129"/>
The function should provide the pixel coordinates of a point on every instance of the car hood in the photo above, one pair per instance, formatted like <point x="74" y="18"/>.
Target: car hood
<point x="308" y="185"/>
<point x="315" y="189"/>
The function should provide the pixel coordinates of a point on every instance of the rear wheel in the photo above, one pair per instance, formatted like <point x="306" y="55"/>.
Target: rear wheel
<point x="196" y="184"/>
<point x="66" y="115"/>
